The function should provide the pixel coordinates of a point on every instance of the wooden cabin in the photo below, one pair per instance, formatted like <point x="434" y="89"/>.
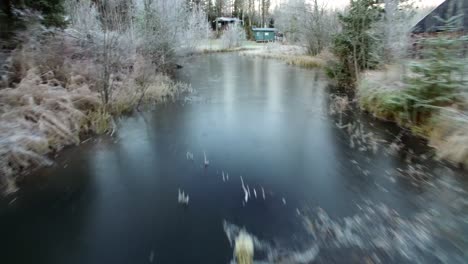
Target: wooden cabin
<point x="448" y="9"/>
<point x="433" y="23"/>
<point x="221" y="23"/>
<point x="264" y="34"/>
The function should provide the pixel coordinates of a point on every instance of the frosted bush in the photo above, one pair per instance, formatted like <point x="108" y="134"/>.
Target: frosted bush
<point x="308" y="23"/>
<point x="37" y="118"/>
<point x="196" y="31"/>
<point x="72" y="82"/>
<point x="233" y="37"/>
<point x="84" y="18"/>
<point x="393" y="29"/>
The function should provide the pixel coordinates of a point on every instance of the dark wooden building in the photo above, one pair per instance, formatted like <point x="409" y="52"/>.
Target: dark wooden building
<point x="221" y="23"/>
<point x="434" y="23"/>
<point x="446" y="10"/>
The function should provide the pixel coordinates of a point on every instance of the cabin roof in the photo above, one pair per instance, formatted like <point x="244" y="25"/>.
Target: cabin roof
<point x="446" y="10"/>
<point x="264" y="29"/>
<point x="227" y="19"/>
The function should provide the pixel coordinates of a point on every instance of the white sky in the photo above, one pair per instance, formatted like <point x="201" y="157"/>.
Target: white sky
<point x="343" y="3"/>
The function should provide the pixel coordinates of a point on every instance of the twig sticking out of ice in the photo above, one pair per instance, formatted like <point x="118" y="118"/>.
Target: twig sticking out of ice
<point x="246" y="193"/>
<point x="224" y="178"/>
<point x="255" y="193"/>
<point x="183" y="198"/>
<point x="244" y="248"/>
<point x="263" y="193"/>
<point x="206" y="161"/>
<point x="189" y="155"/>
<point x="284" y="201"/>
<point x="227" y="176"/>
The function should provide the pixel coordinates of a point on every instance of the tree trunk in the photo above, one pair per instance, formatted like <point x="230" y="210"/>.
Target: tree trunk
<point x="356" y="66"/>
<point x="263" y="13"/>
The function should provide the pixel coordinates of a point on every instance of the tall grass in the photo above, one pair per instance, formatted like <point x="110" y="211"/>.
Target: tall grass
<point x="291" y="55"/>
<point x="53" y="98"/>
<point x="379" y="92"/>
<point x="385" y="94"/>
<point x="37" y="118"/>
<point x="449" y="136"/>
<point x="233" y="37"/>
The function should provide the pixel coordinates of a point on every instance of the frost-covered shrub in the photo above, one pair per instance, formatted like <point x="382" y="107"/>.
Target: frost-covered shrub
<point x="438" y="79"/>
<point x="379" y="92"/>
<point x="166" y="29"/>
<point x="309" y="23"/>
<point x="233" y="37"/>
<point x="393" y="29"/>
<point x="84" y="20"/>
<point x="69" y="83"/>
<point x="196" y="31"/>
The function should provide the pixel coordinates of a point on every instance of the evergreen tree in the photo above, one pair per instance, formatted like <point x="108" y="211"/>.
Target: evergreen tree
<point x="52" y="10"/>
<point x="438" y="78"/>
<point x="355" y="45"/>
<point x="219" y="7"/>
<point x="238" y="8"/>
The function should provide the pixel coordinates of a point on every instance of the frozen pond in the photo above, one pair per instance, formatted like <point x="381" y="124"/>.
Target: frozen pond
<point x="313" y="190"/>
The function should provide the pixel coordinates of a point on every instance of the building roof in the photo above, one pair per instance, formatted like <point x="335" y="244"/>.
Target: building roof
<point x="264" y="29"/>
<point x="227" y="19"/>
<point x="446" y="10"/>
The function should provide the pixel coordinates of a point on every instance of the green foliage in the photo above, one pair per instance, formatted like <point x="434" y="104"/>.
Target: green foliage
<point x="52" y="10"/>
<point x="434" y="82"/>
<point x="339" y="72"/>
<point x="100" y="121"/>
<point x="354" y="46"/>
<point x="387" y="104"/>
<point x="437" y="79"/>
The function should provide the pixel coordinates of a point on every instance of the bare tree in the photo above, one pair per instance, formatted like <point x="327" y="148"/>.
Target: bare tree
<point x="109" y="37"/>
<point x="220" y="6"/>
<point x="310" y="24"/>
<point x="233" y="36"/>
<point x="394" y="28"/>
<point x="115" y="49"/>
<point x="320" y="24"/>
<point x="157" y="32"/>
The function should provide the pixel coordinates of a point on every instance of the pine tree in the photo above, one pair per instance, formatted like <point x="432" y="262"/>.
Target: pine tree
<point x="354" y="46"/>
<point x="437" y="79"/>
<point x="53" y="11"/>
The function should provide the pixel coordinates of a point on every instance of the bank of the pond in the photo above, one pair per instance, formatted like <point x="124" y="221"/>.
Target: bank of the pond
<point x="381" y="93"/>
<point x="52" y="97"/>
<point x="290" y="54"/>
<point x="377" y="93"/>
<point x="217" y="46"/>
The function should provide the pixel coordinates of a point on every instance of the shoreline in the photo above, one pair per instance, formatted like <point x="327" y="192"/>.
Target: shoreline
<point x="445" y="130"/>
<point x="50" y="100"/>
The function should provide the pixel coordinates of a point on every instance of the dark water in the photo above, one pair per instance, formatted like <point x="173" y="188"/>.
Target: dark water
<point x="327" y="199"/>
